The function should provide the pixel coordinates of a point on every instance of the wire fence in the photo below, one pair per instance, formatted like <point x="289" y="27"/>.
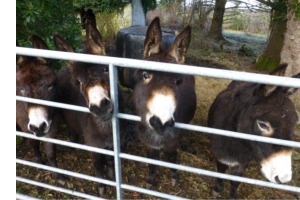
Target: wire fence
<point x="114" y="63"/>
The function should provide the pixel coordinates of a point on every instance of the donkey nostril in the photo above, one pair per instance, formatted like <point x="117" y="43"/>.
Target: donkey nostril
<point x="32" y="128"/>
<point x="155" y="123"/>
<point x="277" y="179"/>
<point x="43" y="127"/>
<point x="104" y="102"/>
<point x="94" y="109"/>
<point x="169" y="123"/>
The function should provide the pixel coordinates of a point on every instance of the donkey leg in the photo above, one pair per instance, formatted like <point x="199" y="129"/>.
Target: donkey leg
<point x="74" y="137"/>
<point x="219" y="182"/>
<point x="50" y="150"/>
<point x="110" y="167"/>
<point x="35" y="144"/>
<point x="238" y="171"/>
<point x="153" y="154"/>
<point x="99" y="162"/>
<point x="171" y="156"/>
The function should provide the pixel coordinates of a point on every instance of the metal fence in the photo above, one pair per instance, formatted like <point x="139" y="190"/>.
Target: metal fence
<point x="114" y="63"/>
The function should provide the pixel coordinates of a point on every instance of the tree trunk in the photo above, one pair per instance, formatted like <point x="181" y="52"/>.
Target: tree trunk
<point x="215" y="31"/>
<point x="291" y="47"/>
<point x="270" y="59"/>
<point x="194" y="5"/>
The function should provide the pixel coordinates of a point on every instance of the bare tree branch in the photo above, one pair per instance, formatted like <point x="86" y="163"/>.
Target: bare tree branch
<point x="268" y="3"/>
<point x="252" y="7"/>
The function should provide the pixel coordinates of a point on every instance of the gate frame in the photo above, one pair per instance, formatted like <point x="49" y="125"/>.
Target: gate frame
<point x="114" y="63"/>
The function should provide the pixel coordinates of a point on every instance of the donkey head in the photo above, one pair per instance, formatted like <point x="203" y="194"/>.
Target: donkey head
<point x="35" y="78"/>
<point x="156" y="93"/>
<point x="91" y="79"/>
<point x="271" y="114"/>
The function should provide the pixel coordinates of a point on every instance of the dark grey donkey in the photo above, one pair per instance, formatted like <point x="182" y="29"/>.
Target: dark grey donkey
<point x="258" y="109"/>
<point x="161" y="98"/>
<point x="87" y="85"/>
<point x="36" y="78"/>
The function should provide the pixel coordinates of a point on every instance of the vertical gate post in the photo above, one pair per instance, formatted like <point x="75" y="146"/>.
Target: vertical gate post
<point x="113" y="78"/>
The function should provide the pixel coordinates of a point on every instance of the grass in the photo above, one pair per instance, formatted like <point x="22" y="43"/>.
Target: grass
<point x="245" y="37"/>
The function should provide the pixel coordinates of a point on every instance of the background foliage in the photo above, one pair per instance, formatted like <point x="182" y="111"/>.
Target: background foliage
<point x="45" y="18"/>
<point x="103" y="6"/>
<point x="148" y="5"/>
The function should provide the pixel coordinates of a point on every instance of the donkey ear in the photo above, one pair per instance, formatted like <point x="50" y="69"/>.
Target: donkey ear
<point x="62" y="44"/>
<point x="153" y="38"/>
<point x="279" y="71"/>
<point x="94" y="41"/>
<point x="181" y="44"/>
<point x="38" y="42"/>
<point x="20" y="61"/>
<point x="290" y="91"/>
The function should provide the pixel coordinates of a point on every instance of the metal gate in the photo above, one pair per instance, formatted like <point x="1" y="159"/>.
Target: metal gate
<point x="114" y="63"/>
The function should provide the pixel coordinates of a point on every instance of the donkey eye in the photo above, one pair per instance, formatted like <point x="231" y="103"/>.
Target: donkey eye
<point x="78" y="82"/>
<point x="262" y="125"/>
<point x="178" y="81"/>
<point x="265" y="127"/>
<point x="22" y="91"/>
<point x="105" y="69"/>
<point x="146" y="75"/>
<point x="51" y="86"/>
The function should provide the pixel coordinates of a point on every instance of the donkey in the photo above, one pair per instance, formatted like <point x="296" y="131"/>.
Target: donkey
<point x="87" y="85"/>
<point x="257" y="109"/>
<point x="162" y="98"/>
<point x="36" y="78"/>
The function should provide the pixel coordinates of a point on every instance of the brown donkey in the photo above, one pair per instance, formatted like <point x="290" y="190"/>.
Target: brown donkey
<point x="35" y="78"/>
<point x="87" y="85"/>
<point x="257" y="109"/>
<point x="161" y="98"/>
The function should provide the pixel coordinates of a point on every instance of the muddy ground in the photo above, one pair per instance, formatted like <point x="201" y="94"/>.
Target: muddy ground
<point x="195" y="147"/>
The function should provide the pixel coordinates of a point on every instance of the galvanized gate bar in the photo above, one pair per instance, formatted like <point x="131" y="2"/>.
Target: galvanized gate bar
<point x="113" y="62"/>
<point x="53" y="104"/>
<point x="222" y="132"/>
<point x="25" y="197"/>
<point x="211" y="173"/>
<point x="238" y="135"/>
<point x="65" y="143"/>
<point x="129" y="117"/>
<point x="151" y="192"/>
<point x="165" y="67"/>
<point x="183" y="126"/>
<point x="98" y="180"/>
<point x="177" y="125"/>
<point x="58" y="189"/>
<point x="66" y="172"/>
